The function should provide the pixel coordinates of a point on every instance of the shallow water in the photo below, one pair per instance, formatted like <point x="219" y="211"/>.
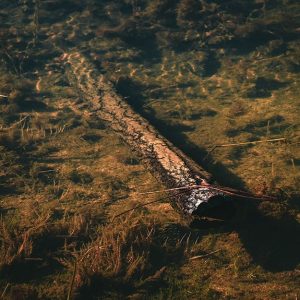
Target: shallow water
<point x="227" y="73"/>
<point x="210" y="76"/>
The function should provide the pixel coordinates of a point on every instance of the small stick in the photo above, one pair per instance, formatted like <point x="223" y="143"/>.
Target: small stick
<point x="136" y="207"/>
<point x="12" y="61"/>
<point x="241" y="144"/>
<point x="267" y="58"/>
<point x="163" y="88"/>
<point x="205" y="255"/>
<point x="228" y="191"/>
<point x="242" y="194"/>
<point x="251" y="143"/>
<point x="142" y="205"/>
<point x="72" y="281"/>
<point x="4" y="291"/>
<point x="210" y="151"/>
<point x="89" y="250"/>
<point x="272" y="170"/>
<point x="17" y="123"/>
<point x="232" y="192"/>
<point x="168" y="190"/>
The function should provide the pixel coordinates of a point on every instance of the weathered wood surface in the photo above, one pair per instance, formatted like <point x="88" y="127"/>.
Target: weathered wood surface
<point x="163" y="159"/>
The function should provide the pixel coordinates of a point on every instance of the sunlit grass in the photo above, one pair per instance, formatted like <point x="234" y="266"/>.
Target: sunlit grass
<point x="64" y="175"/>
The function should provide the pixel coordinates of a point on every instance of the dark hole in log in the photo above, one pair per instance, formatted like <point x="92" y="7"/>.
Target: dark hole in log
<point x="218" y="207"/>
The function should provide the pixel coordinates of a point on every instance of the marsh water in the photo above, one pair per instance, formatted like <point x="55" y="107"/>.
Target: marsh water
<point x="219" y="79"/>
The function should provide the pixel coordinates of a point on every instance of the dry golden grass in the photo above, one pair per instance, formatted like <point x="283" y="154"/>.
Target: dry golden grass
<point x="64" y="175"/>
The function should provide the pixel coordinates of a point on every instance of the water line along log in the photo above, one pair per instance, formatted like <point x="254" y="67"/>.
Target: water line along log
<point x="166" y="162"/>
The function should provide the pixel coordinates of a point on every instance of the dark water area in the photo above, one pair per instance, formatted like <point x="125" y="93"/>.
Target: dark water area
<point x="219" y="79"/>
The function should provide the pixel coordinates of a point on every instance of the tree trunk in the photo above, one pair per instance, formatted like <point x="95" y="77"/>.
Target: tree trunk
<point x="164" y="160"/>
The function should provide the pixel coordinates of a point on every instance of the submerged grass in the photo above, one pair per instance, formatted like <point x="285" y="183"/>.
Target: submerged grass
<point x="205" y="74"/>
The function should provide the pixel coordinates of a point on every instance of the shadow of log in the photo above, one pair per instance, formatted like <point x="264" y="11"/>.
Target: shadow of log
<point x="273" y="243"/>
<point x="175" y="134"/>
<point x="133" y="92"/>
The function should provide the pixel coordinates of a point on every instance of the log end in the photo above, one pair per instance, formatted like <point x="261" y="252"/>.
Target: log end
<point x="218" y="206"/>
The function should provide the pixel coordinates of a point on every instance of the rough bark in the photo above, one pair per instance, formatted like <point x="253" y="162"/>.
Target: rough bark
<point x="163" y="159"/>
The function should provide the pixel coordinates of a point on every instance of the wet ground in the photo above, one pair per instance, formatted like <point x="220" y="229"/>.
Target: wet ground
<point x="220" y="79"/>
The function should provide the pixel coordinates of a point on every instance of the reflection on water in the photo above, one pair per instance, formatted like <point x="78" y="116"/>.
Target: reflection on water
<point x="205" y="73"/>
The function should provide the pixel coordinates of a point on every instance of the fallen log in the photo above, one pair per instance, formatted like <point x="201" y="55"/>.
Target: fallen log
<point x="191" y="192"/>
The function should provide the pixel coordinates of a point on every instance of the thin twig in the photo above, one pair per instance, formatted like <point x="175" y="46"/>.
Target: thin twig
<point x="17" y="123"/>
<point x="241" y="144"/>
<point x="4" y="291"/>
<point x="72" y="281"/>
<point x="228" y="191"/>
<point x="241" y="194"/>
<point x="205" y="255"/>
<point x="267" y="58"/>
<point x="143" y="205"/>
<point x="163" y="88"/>
<point x="134" y="208"/>
<point x="168" y="190"/>
<point x="209" y="152"/>
<point x="12" y="61"/>
<point x="251" y="143"/>
<point x="89" y="250"/>
<point x="33" y="259"/>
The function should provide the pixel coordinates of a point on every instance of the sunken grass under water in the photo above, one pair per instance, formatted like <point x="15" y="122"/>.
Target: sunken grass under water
<point x="205" y="74"/>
